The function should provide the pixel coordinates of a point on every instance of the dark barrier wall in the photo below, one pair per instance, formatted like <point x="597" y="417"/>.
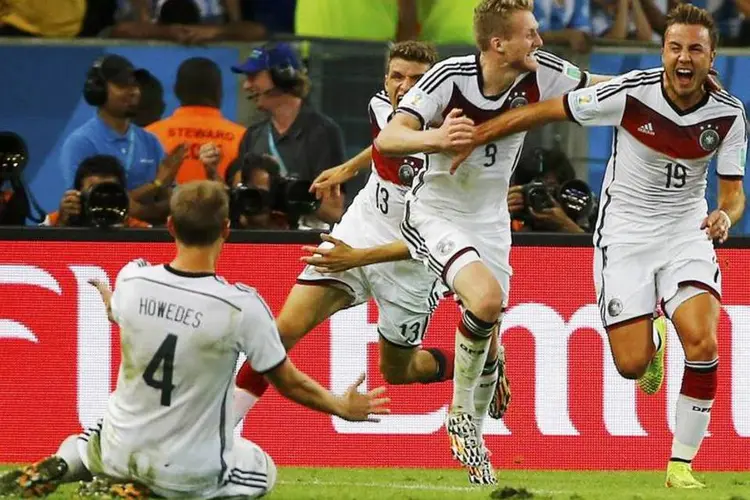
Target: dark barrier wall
<point x="59" y="358"/>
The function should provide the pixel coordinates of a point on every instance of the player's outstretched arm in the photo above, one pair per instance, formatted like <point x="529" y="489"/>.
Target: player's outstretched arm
<point x="353" y="405"/>
<point x="731" y="206"/>
<point x="403" y="135"/>
<point x="341" y="256"/>
<point x="106" y="294"/>
<point x="333" y="177"/>
<point x="513" y="121"/>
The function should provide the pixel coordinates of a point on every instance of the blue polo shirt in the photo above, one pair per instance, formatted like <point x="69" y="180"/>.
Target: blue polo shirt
<point x="139" y="151"/>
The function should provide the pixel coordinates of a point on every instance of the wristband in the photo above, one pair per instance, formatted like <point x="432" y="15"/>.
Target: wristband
<point x="726" y="216"/>
<point x="158" y="183"/>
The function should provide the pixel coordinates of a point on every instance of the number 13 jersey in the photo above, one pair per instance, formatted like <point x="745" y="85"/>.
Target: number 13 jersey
<point x="655" y="182"/>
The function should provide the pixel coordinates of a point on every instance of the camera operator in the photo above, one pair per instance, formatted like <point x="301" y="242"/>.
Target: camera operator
<point x="99" y="198"/>
<point x="545" y="195"/>
<point x="261" y="198"/>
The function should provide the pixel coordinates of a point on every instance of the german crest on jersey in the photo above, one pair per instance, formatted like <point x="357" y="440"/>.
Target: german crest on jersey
<point x="518" y="99"/>
<point x="709" y="138"/>
<point x="407" y="170"/>
<point x="614" y="307"/>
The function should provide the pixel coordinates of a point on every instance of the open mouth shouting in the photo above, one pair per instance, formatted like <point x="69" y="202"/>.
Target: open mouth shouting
<point x="684" y="76"/>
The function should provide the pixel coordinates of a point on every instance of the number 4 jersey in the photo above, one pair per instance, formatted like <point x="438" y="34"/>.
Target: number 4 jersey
<point x="170" y="416"/>
<point x="655" y="182"/>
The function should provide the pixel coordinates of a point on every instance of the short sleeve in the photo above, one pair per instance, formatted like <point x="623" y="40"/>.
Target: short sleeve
<point x="258" y="336"/>
<point x="732" y="153"/>
<point x="600" y="105"/>
<point x="430" y="96"/>
<point x="75" y="149"/>
<point x="127" y="271"/>
<point x="556" y="76"/>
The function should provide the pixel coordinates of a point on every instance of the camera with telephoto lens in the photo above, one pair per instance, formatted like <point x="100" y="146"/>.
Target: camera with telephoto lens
<point x="103" y="205"/>
<point x="536" y="196"/>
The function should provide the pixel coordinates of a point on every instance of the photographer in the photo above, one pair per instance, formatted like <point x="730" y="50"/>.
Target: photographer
<point x="99" y="197"/>
<point x="261" y="198"/>
<point x="545" y="195"/>
<point x="15" y="200"/>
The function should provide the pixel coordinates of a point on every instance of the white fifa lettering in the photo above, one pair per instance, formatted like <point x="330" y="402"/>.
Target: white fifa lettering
<point x="738" y="315"/>
<point x="350" y="335"/>
<point x="24" y="275"/>
<point x="94" y="346"/>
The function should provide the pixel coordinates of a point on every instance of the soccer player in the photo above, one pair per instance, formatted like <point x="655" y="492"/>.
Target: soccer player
<point x="406" y="292"/>
<point x="168" y="424"/>
<point x="459" y="225"/>
<point x="653" y="240"/>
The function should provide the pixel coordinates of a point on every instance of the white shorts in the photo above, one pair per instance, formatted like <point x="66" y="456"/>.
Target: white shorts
<point x="405" y="291"/>
<point x="252" y="472"/>
<point x="632" y="279"/>
<point x="445" y="247"/>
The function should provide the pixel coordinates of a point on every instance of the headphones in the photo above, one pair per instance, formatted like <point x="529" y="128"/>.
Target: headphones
<point x="95" y="87"/>
<point x="283" y="75"/>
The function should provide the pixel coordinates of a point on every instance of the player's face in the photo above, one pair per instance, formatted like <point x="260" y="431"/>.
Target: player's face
<point x="687" y="56"/>
<point x="402" y="75"/>
<point x="522" y="42"/>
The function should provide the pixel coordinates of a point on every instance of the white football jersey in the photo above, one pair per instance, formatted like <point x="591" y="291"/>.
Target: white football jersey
<point x="655" y="183"/>
<point x="170" y="416"/>
<point x="390" y="178"/>
<point x="479" y="187"/>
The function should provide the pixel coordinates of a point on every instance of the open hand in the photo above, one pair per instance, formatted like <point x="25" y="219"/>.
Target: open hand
<point x="330" y="180"/>
<point x="358" y="407"/>
<point x="717" y="226"/>
<point x="337" y="258"/>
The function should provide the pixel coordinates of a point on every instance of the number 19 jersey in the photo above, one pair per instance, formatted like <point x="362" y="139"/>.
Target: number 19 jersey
<point x="169" y="420"/>
<point x="655" y="182"/>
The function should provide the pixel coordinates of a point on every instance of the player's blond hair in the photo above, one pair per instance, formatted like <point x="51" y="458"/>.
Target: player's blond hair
<point x="199" y="211"/>
<point x="686" y="13"/>
<point x="413" y="51"/>
<point x="491" y="18"/>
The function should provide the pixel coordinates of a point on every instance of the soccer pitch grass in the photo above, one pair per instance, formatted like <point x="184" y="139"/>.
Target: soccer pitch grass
<point x="430" y="484"/>
<point x="412" y="484"/>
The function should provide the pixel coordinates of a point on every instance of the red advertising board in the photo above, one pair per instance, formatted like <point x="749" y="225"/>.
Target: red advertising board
<point x="570" y="409"/>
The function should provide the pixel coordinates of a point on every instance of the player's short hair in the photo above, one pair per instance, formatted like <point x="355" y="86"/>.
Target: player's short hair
<point x="686" y="13"/>
<point x="491" y="18"/>
<point x="199" y="210"/>
<point x="413" y="51"/>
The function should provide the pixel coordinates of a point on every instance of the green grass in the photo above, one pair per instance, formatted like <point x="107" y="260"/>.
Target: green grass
<point x="406" y="484"/>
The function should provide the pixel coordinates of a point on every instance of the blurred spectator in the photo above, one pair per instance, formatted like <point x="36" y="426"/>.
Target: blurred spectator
<point x="621" y="20"/>
<point x="112" y="87"/>
<point x="276" y="15"/>
<point x="545" y="195"/>
<point x="447" y="21"/>
<point x="302" y="140"/>
<point x="565" y="22"/>
<point x="187" y="21"/>
<point x="58" y="18"/>
<point x="252" y="181"/>
<point x="78" y="203"/>
<point x="198" y="121"/>
<point x="151" y="106"/>
<point x="358" y="20"/>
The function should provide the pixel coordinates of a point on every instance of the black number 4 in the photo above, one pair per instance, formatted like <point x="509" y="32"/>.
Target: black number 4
<point x="165" y="355"/>
<point x="490" y="151"/>
<point x="676" y="175"/>
<point x="413" y="332"/>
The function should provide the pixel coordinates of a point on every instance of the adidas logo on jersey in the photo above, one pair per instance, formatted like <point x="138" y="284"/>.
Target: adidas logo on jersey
<point x="646" y="128"/>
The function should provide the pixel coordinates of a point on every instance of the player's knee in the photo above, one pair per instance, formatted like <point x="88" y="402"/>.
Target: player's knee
<point x="488" y="304"/>
<point x="631" y="367"/>
<point x="701" y="347"/>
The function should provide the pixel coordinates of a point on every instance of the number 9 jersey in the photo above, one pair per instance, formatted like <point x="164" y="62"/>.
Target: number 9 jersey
<point x="655" y="182"/>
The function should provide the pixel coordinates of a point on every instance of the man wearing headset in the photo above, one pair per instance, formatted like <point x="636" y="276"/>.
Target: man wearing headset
<point x="302" y="140"/>
<point x="111" y="86"/>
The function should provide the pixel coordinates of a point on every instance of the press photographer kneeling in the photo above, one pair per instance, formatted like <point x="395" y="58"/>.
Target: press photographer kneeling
<point x="260" y="198"/>
<point x="546" y="196"/>
<point x="99" y="198"/>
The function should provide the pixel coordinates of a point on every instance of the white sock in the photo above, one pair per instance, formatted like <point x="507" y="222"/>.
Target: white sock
<point x="483" y="393"/>
<point x="242" y="401"/>
<point x="691" y="423"/>
<point x="472" y="344"/>
<point x="68" y="451"/>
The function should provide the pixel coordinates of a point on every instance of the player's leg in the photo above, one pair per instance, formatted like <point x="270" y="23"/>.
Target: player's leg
<point x="306" y="307"/>
<point x="252" y="473"/>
